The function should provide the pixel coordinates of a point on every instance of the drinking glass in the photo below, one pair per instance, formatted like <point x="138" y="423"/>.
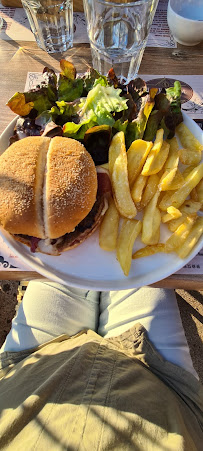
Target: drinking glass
<point x="118" y="33"/>
<point x="51" y="22"/>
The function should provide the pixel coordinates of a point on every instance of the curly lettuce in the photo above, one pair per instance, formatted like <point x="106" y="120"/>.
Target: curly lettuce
<point x="98" y="108"/>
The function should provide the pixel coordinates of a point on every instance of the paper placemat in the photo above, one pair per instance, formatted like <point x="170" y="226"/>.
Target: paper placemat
<point x="16" y="26"/>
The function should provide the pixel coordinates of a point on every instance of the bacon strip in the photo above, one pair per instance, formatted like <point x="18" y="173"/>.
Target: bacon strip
<point x="104" y="182"/>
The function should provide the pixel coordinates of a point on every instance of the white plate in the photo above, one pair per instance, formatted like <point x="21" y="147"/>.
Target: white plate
<point x="88" y="266"/>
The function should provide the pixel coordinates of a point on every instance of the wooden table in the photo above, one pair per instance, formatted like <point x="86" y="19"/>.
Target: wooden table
<point x="17" y="58"/>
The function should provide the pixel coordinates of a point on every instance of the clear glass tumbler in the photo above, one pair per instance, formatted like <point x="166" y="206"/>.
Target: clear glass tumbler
<point x="51" y="22"/>
<point x="118" y="33"/>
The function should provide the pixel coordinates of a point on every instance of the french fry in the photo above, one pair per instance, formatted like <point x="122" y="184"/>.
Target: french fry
<point x="108" y="231"/>
<point x="166" y="179"/>
<point x="175" y="223"/>
<point x="149" y="250"/>
<point x="166" y="201"/>
<point x="138" y="187"/>
<point x="170" y="166"/>
<point x="191" y="181"/>
<point x="129" y="232"/>
<point x="155" y="148"/>
<point x="156" y="236"/>
<point x="117" y="143"/>
<point x="172" y="213"/>
<point x="137" y="154"/>
<point x="151" y="219"/>
<point x="199" y="189"/>
<point x="187" y="171"/>
<point x="166" y="218"/>
<point x="194" y="195"/>
<point x="196" y="232"/>
<point x="190" y="156"/>
<point x="149" y="191"/>
<point x="120" y="185"/>
<point x="178" y="237"/>
<point x="187" y="138"/>
<point x="157" y="156"/>
<point x="156" y="163"/>
<point x="173" y="159"/>
<point x="148" y="178"/>
<point x="189" y="208"/>
<point x="177" y="181"/>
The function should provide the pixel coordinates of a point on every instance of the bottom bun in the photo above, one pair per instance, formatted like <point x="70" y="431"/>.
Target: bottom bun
<point x="70" y="240"/>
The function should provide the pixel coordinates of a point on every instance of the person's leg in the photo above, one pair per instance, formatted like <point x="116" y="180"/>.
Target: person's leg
<point x="157" y="310"/>
<point x="49" y="309"/>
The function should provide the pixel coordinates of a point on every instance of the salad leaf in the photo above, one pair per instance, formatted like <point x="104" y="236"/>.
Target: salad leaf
<point x="137" y="88"/>
<point x="136" y="128"/>
<point x="173" y="116"/>
<point x="40" y="99"/>
<point x="174" y="96"/>
<point x="101" y="81"/>
<point x="162" y="103"/>
<point x="65" y="109"/>
<point x="120" y="126"/>
<point x="68" y="89"/>
<point x="22" y="104"/>
<point x="152" y="125"/>
<point x="96" y="109"/>
<point x="167" y="113"/>
<point x="43" y="119"/>
<point x="77" y="131"/>
<point x="68" y="70"/>
<point x="91" y="78"/>
<point x="103" y="101"/>
<point x="113" y="80"/>
<point x="50" y="82"/>
<point x="18" y="104"/>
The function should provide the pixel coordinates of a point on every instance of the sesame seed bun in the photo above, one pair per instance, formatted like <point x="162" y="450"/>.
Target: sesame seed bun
<point x="71" y="186"/>
<point x="21" y="182"/>
<point x="47" y="186"/>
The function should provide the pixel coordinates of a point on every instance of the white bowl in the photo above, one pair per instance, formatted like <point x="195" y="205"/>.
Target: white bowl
<point x="185" y="20"/>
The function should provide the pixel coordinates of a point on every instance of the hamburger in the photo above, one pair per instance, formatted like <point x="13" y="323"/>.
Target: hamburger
<point x="49" y="196"/>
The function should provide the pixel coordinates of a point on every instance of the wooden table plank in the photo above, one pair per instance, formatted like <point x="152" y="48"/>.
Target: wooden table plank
<point x="175" y="281"/>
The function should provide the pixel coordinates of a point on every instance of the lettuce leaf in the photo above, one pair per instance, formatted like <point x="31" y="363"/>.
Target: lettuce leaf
<point x="77" y="131"/>
<point x="103" y="102"/>
<point x="169" y="103"/>
<point x="136" y="128"/>
<point x="40" y="99"/>
<point x="98" y="108"/>
<point x="92" y="78"/>
<point x="69" y="90"/>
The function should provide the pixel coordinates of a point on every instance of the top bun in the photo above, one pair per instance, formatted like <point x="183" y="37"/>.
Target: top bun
<point x="71" y="186"/>
<point x="47" y="186"/>
<point x="21" y="183"/>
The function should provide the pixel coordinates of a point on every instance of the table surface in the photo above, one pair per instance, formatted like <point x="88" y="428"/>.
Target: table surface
<point x="18" y="57"/>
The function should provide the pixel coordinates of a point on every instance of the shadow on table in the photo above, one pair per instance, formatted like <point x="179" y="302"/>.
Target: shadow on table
<point x="191" y="309"/>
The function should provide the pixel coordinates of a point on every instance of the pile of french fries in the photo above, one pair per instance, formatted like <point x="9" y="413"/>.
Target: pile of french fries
<point x="162" y="181"/>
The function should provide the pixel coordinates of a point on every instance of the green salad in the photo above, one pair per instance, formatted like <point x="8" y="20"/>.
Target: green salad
<point x="91" y="108"/>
